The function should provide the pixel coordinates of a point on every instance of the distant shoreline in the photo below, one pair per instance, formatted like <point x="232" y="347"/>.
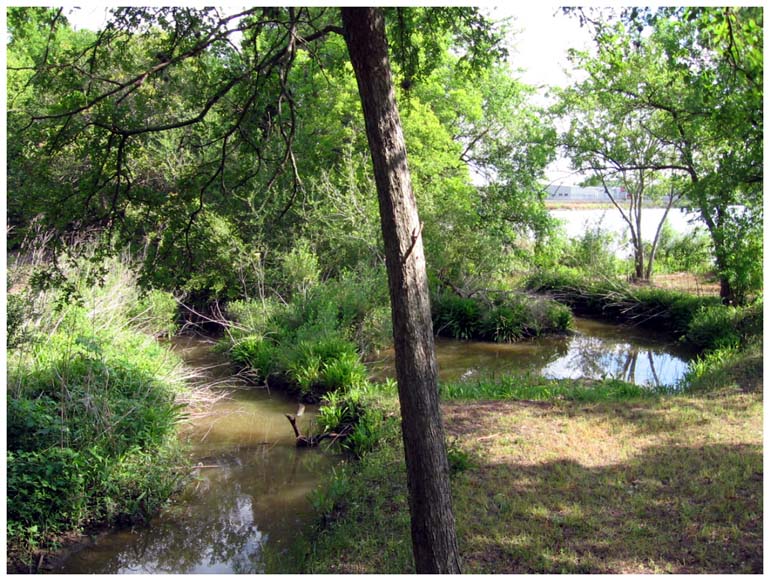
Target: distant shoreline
<point x="588" y="205"/>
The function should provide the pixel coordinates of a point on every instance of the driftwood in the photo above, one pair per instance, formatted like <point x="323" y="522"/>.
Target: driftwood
<point x="311" y="441"/>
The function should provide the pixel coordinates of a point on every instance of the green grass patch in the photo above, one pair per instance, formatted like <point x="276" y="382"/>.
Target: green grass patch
<point x="530" y="387"/>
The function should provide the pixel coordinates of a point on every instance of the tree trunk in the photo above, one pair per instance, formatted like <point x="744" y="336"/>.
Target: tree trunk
<point x="433" y="527"/>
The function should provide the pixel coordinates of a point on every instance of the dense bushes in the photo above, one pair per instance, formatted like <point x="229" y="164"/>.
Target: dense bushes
<point x="503" y="319"/>
<point x="667" y="310"/>
<point x="313" y="342"/>
<point x="91" y="407"/>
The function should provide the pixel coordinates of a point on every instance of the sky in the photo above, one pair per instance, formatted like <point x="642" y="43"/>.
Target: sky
<point x="542" y="36"/>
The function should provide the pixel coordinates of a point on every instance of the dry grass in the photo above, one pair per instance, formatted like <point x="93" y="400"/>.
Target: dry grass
<point x="673" y="485"/>
<point x="695" y="284"/>
<point x="670" y="484"/>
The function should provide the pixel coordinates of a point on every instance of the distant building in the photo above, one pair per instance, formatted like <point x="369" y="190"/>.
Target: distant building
<point x="584" y="194"/>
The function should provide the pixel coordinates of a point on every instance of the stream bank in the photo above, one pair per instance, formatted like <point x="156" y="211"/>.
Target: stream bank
<point x="247" y="498"/>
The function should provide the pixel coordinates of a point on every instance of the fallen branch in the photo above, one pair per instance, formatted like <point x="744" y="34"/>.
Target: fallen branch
<point x="312" y="441"/>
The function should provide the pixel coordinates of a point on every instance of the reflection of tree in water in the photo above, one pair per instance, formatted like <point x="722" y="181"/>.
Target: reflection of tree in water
<point x="595" y="357"/>
<point x="223" y="519"/>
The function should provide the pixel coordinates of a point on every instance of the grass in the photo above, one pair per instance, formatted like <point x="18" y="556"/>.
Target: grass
<point x="635" y="485"/>
<point x="92" y="405"/>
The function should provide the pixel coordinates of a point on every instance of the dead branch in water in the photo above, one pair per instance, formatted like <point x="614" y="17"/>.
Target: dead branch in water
<point x="312" y="441"/>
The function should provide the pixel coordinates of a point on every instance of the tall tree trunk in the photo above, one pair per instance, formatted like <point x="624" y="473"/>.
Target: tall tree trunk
<point x="433" y="526"/>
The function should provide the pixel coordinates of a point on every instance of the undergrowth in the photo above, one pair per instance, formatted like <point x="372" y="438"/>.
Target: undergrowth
<point x="505" y="318"/>
<point x="92" y="404"/>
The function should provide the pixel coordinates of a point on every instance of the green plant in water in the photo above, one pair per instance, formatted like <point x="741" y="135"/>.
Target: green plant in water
<point x="505" y="323"/>
<point x="344" y="372"/>
<point x="457" y="317"/>
<point x="256" y="352"/>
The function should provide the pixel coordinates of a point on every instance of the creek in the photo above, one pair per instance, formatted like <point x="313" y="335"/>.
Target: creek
<point x="595" y="350"/>
<point x="249" y="497"/>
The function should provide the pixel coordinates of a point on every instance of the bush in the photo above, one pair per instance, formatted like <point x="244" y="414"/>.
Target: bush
<point x="91" y="409"/>
<point x="505" y="323"/>
<point x="344" y="371"/>
<point x="457" y="317"/>
<point x="505" y="319"/>
<point x="155" y="313"/>
<point x="689" y="252"/>
<point x="666" y="310"/>
<point x="720" y="327"/>
<point x="592" y="252"/>
<point x="257" y="353"/>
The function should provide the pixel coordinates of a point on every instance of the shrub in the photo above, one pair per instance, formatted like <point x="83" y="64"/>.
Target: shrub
<point x="155" y="313"/>
<point x="457" y="317"/>
<point x="667" y="310"/>
<point x="91" y="409"/>
<point x="344" y="371"/>
<point x="505" y="319"/>
<point x="688" y="252"/>
<point x="592" y="252"/>
<point x="323" y="364"/>
<point x="257" y="353"/>
<point x="505" y="323"/>
<point x="719" y="327"/>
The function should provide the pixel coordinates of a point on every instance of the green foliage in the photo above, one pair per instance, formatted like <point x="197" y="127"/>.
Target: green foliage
<point x="232" y="195"/>
<point x="541" y="389"/>
<point x="300" y="268"/>
<point x="505" y="319"/>
<point x="343" y="371"/>
<point x="155" y="313"/>
<point x="325" y="498"/>
<point x="314" y="342"/>
<point x="700" y="97"/>
<point x="690" y="252"/>
<point x="17" y="312"/>
<point x="456" y="316"/>
<point x="91" y="409"/>
<point x="726" y="368"/>
<point x="666" y="310"/>
<point x="459" y="459"/>
<point x="256" y="353"/>
<point x="725" y="327"/>
<point x="592" y="252"/>
<point x="505" y="323"/>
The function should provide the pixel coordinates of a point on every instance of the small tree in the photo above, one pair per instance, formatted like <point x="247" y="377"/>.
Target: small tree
<point x="620" y="150"/>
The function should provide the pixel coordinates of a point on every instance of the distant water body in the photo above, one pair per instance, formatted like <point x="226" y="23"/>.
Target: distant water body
<point x="578" y="221"/>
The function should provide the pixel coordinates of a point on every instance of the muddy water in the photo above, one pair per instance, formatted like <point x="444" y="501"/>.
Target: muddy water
<point x="249" y="496"/>
<point x="594" y="351"/>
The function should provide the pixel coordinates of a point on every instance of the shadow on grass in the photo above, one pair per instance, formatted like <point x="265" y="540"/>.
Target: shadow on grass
<point x="670" y="509"/>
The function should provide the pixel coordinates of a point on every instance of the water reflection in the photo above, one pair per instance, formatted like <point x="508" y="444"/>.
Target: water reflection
<point x="249" y="493"/>
<point x="596" y="350"/>
<point x="221" y="522"/>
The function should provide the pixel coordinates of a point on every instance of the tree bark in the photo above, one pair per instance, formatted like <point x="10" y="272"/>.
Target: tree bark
<point x="433" y="526"/>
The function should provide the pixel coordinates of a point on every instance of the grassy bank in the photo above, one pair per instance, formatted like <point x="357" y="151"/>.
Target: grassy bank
<point x="92" y="405"/>
<point x="576" y="476"/>
<point x="701" y="322"/>
<point x="628" y="484"/>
